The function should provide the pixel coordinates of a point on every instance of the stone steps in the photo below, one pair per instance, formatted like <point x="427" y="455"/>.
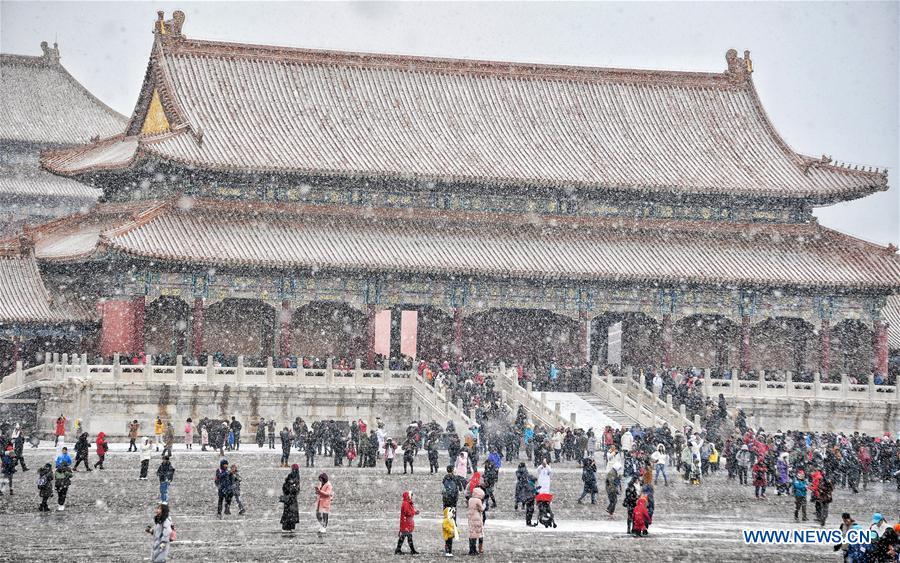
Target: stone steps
<point x="609" y="410"/>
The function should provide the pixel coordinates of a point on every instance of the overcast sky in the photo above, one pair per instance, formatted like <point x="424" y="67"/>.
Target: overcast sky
<point x="828" y="73"/>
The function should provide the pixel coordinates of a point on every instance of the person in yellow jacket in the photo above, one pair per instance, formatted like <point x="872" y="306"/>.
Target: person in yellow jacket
<point x="158" y="429"/>
<point x="714" y="459"/>
<point x="450" y="531"/>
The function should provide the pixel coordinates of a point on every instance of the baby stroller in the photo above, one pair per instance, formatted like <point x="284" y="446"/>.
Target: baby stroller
<point x="545" y="513"/>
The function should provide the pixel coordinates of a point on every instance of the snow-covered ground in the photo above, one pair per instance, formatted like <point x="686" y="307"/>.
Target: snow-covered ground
<point x="107" y="512"/>
<point x="586" y="414"/>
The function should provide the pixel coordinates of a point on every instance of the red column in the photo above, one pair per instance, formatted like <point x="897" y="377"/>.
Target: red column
<point x="745" y="343"/>
<point x="667" y="341"/>
<point x="122" y="328"/>
<point x="138" y="304"/>
<point x="197" y="327"/>
<point x="825" y="354"/>
<point x="284" y="334"/>
<point x="584" y="333"/>
<point x="458" y="333"/>
<point x="370" y="336"/>
<point x="881" y="348"/>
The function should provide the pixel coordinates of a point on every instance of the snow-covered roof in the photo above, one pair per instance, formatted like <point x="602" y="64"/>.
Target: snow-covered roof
<point x="23" y="296"/>
<point x="281" y="235"/>
<point x="43" y="104"/>
<point x="22" y="178"/>
<point x="250" y="108"/>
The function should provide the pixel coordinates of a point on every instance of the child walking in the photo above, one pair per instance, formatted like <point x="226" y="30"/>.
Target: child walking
<point x="450" y="531"/>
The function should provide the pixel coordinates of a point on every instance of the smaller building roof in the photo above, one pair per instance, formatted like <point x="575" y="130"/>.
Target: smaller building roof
<point x="275" y="235"/>
<point x="22" y="178"/>
<point x="44" y="104"/>
<point x="23" y="296"/>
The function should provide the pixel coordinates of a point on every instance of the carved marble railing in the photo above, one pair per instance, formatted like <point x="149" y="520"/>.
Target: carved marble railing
<point x="633" y="399"/>
<point x="760" y="388"/>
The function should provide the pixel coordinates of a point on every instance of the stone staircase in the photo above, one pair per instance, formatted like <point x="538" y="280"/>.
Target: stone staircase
<point x="607" y="409"/>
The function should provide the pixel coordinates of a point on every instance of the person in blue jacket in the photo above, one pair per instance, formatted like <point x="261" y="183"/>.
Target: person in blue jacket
<point x="64" y="457"/>
<point x="799" y="486"/>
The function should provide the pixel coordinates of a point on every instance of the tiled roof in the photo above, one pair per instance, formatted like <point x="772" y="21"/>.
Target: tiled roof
<point x="22" y="177"/>
<point x="431" y="242"/>
<point x="23" y="297"/>
<point x="891" y="314"/>
<point x="249" y="108"/>
<point x="43" y="104"/>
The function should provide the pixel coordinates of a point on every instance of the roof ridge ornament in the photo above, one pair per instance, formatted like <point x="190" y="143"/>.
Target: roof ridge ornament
<point x="739" y="68"/>
<point x="169" y="28"/>
<point x="815" y="163"/>
<point x="51" y="55"/>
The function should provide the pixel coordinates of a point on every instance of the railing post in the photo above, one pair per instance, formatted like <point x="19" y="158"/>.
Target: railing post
<point x="788" y="383"/>
<point x="629" y="372"/>
<point x="572" y="419"/>
<point x="643" y="383"/>
<point x="179" y="369"/>
<point x="682" y="410"/>
<point x="357" y="372"/>
<point x="528" y="387"/>
<point x="669" y="401"/>
<point x="817" y="385"/>
<point x="46" y="370"/>
<point x="897" y="392"/>
<point x="117" y="367"/>
<point x="845" y="386"/>
<point x="640" y="403"/>
<point x="65" y="365"/>
<point x="761" y="383"/>
<point x="329" y="373"/>
<point x="697" y="422"/>
<point x="239" y="372"/>
<point x="85" y="368"/>
<point x="707" y="373"/>
<point x="870" y="388"/>
<point x="148" y="367"/>
<point x="301" y="369"/>
<point x="270" y="371"/>
<point x="20" y="375"/>
<point x="609" y="377"/>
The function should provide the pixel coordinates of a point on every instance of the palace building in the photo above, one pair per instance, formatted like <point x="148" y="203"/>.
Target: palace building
<point x="275" y="201"/>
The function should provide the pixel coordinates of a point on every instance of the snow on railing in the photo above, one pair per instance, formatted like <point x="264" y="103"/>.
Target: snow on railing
<point x="636" y="401"/>
<point x="760" y="388"/>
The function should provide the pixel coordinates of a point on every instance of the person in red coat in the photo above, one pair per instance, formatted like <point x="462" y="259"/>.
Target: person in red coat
<point x="760" y="478"/>
<point x="641" y="517"/>
<point x="102" y="448"/>
<point x="60" y="430"/>
<point x="407" y="523"/>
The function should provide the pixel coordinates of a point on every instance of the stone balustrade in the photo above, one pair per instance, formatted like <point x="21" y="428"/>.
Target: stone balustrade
<point x="760" y="388"/>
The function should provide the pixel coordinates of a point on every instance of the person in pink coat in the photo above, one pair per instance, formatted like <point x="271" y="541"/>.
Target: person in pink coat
<point x="476" y="521"/>
<point x="324" y="495"/>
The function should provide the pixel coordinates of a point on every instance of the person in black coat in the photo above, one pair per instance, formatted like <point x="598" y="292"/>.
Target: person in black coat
<point x="451" y="487"/>
<point x="589" y="477"/>
<point x="261" y="433"/>
<point x="45" y="486"/>
<point x="225" y="484"/>
<point x="81" y="452"/>
<point x="489" y="480"/>
<point x="285" y="437"/>
<point x="290" y="516"/>
<point x="630" y="502"/>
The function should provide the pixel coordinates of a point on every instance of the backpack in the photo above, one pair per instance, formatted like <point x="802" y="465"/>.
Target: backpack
<point x="42" y="481"/>
<point x="174" y="535"/>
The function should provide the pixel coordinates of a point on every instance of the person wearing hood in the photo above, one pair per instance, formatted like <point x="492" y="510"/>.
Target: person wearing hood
<point x="476" y="521"/>
<point x="782" y="475"/>
<point x="161" y="534"/>
<point x="407" y="523"/>
<point x="146" y="453"/>
<point x="82" y="447"/>
<point x="102" y="448"/>
<point x="641" y="517"/>
<point x="166" y="473"/>
<point x="449" y="530"/>
<point x="324" y="496"/>
<point x="660" y="459"/>
<point x="225" y="484"/>
<point x="45" y="486"/>
<point x="462" y="464"/>
<point x="290" y="515"/>
<point x="62" y="479"/>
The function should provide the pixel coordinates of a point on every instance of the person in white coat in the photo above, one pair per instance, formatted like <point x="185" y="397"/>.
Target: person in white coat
<point x="543" y="480"/>
<point x="614" y="460"/>
<point x="161" y="535"/>
<point x="627" y="440"/>
<point x="146" y="453"/>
